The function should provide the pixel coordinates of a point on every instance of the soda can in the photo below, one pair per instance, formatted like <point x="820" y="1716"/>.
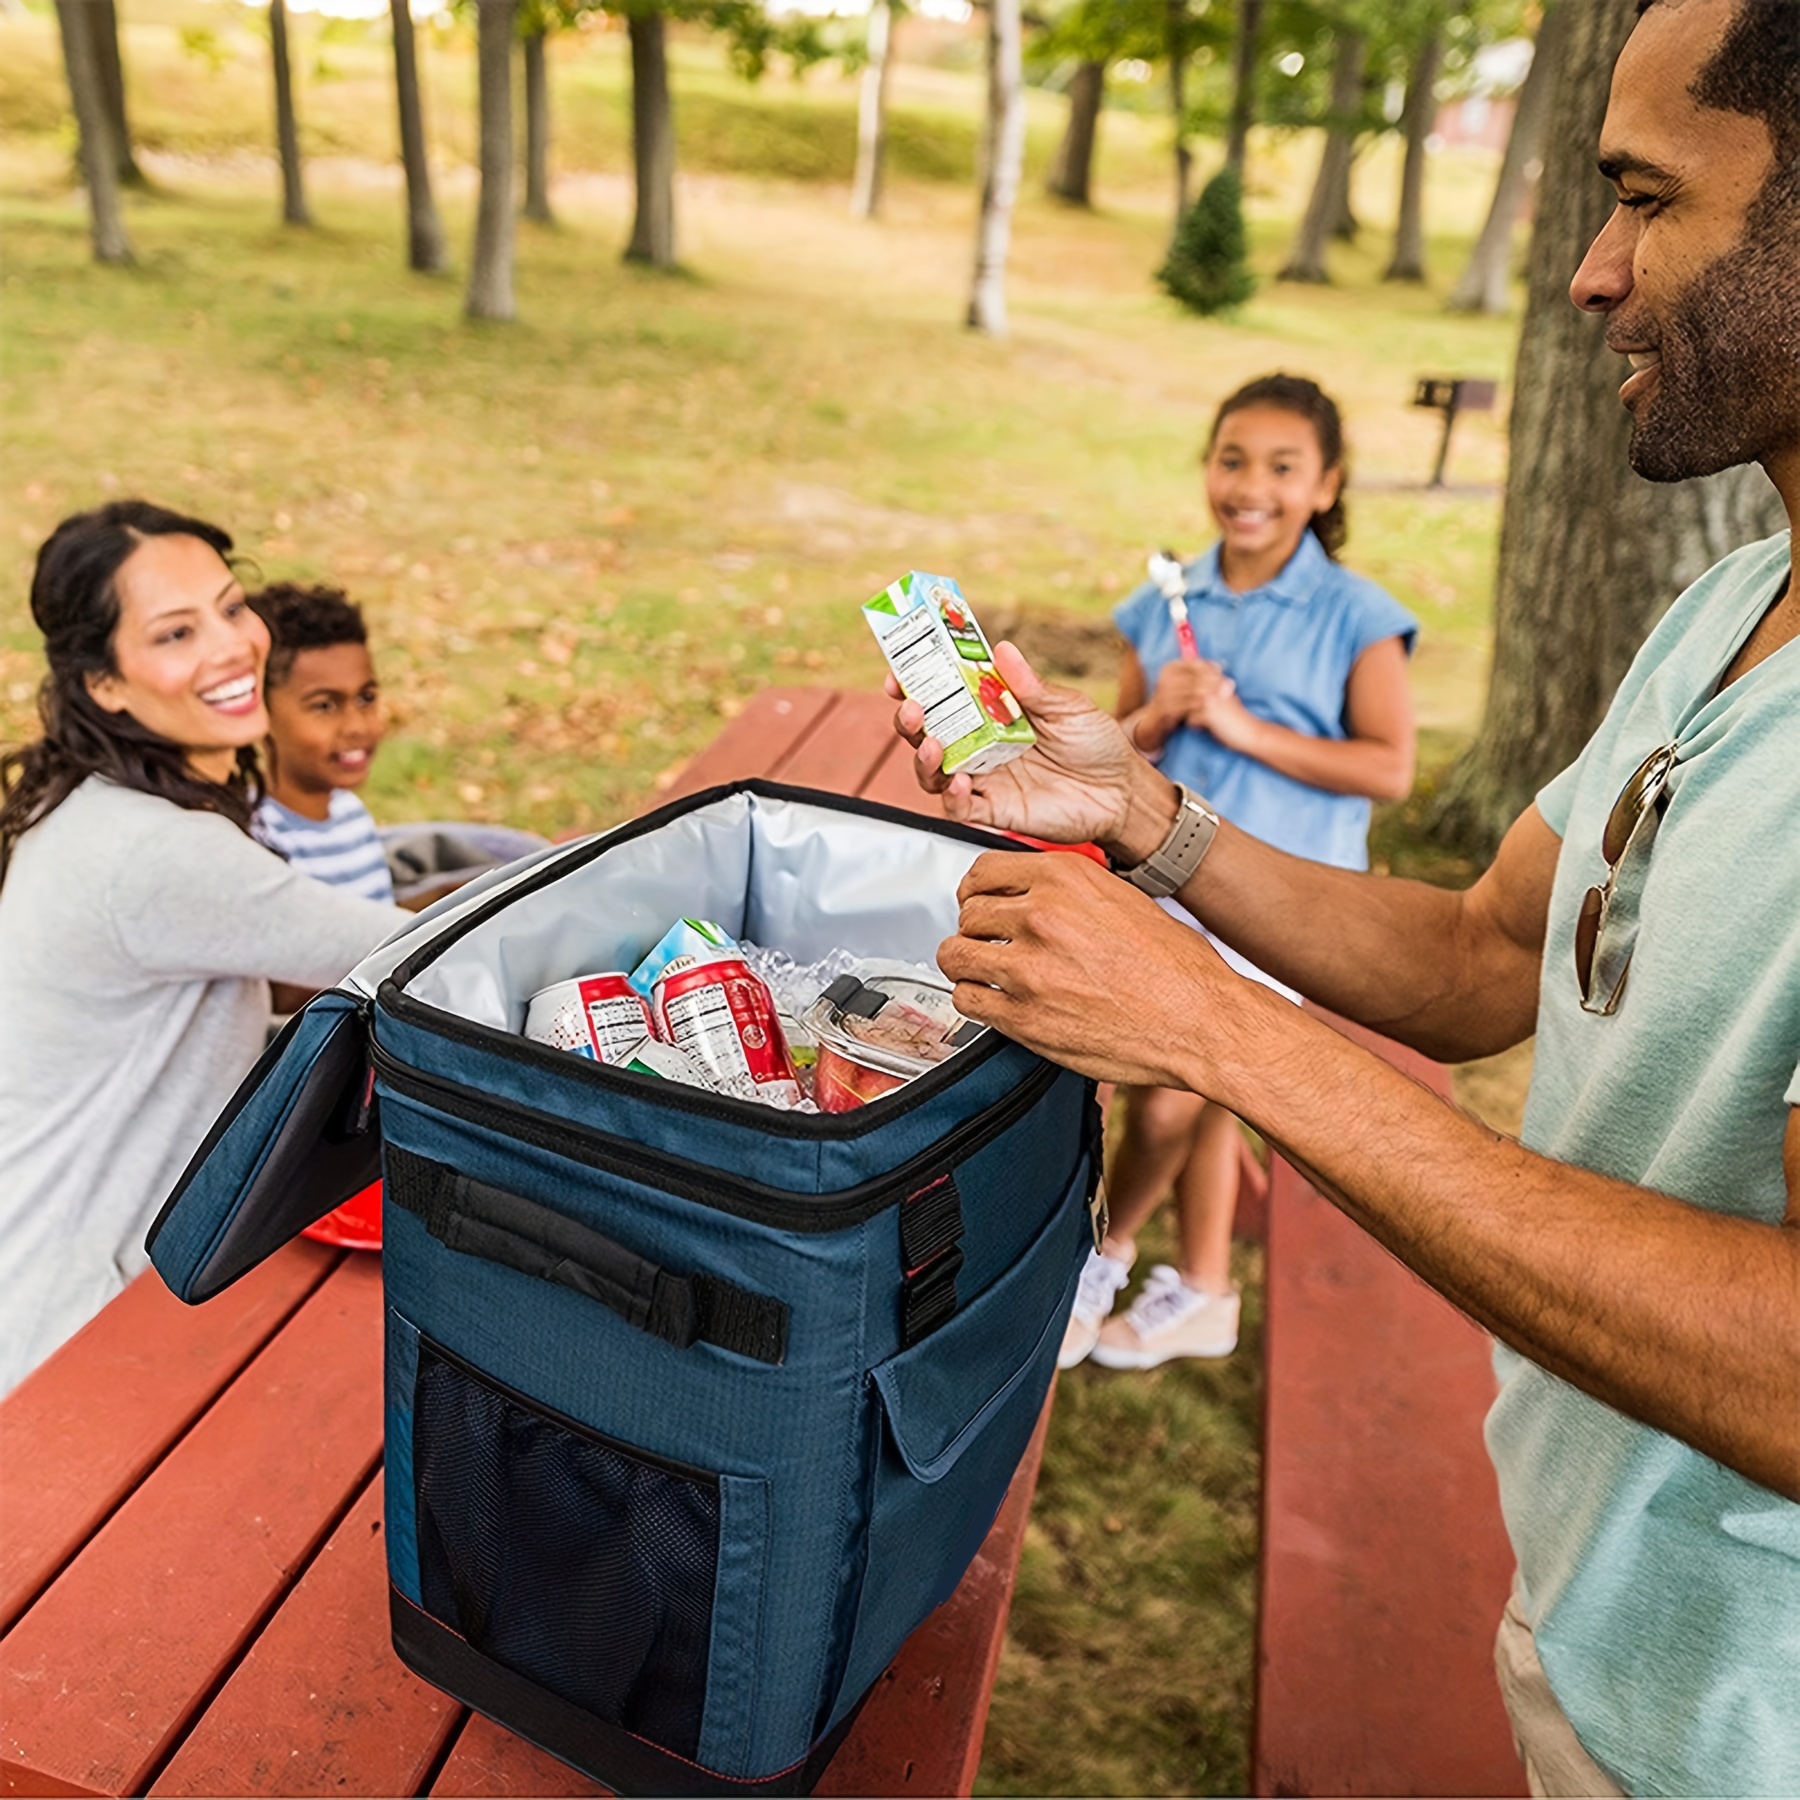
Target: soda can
<point x="724" y="1017"/>
<point x="599" y="1016"/>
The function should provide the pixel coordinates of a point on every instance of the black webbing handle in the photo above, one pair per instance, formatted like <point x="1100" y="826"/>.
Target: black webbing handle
<point x="488" y="1222"/>
<point x="931" y="1257"/>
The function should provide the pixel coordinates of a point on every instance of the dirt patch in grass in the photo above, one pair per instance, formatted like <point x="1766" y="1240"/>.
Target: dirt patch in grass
<point x="1060" y="644"/>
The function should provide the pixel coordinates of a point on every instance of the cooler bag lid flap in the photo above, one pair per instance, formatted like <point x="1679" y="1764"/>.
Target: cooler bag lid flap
<point x="296" y="1139"/>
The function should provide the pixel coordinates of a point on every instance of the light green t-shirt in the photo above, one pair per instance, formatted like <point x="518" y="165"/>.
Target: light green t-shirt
<point x="1663" y="1588"/>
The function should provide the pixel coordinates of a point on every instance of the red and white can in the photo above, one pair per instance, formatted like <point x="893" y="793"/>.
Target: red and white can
<point x="601" y="1016"/>
<point x="724" y="1017"/>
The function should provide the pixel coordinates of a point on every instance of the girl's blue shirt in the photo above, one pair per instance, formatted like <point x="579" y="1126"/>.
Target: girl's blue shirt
<point x="1289" y="645"/>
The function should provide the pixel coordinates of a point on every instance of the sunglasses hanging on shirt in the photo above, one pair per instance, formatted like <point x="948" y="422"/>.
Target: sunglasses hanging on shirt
<point x="1607" y="925"/>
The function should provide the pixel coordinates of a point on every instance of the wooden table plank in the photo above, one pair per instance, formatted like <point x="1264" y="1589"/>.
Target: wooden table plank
<point x="80" y="1432"/>
<point x="845" y="747"/>
<point x="101" y="1677"/>
<point x="757" y="741"/>
<point x="489" y="1759"/>
<point x="1384" y="1560"/>
<point x="321" y="1704"/>
<point x="892" y="781"/>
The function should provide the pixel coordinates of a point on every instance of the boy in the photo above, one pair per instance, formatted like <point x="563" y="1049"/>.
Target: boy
<point x="325" y="724"/>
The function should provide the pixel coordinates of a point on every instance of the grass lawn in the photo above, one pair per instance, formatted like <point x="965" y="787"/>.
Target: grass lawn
<point x="584" y="539"/>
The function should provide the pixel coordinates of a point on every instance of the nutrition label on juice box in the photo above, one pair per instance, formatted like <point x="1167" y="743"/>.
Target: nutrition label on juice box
<point x="915" y="649"/>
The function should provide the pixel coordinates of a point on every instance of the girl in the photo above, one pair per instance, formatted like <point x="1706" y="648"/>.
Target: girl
<point x="139" y="923"/>
<point x="1291" y="718"/>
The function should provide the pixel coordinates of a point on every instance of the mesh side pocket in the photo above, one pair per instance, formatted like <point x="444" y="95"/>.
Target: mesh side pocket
<point x="582" y="1565"/>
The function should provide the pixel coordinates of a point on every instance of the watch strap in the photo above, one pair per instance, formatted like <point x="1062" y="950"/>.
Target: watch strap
<point x="1172" y="864"/>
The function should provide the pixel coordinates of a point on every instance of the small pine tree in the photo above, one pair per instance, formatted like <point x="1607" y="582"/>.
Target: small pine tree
<point x="1208" y="268"/>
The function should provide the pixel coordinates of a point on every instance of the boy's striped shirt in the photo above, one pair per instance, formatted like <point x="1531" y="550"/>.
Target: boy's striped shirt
<point x="342" y="849"/>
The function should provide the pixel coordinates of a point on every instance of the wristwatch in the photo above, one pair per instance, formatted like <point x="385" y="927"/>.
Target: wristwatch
<point x="1171" y="865"/>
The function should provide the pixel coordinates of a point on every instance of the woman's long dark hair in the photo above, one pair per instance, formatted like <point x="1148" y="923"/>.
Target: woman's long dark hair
<point x="1309" y="401"/>
<point x="75" y="601"/>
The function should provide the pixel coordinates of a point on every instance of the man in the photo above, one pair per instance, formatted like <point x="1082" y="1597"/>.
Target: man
<point x="1638" y="1254"/>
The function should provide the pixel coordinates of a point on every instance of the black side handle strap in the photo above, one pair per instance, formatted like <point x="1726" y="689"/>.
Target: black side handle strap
<point x="478" y="1220"/>
<point x="931" y="1228"/>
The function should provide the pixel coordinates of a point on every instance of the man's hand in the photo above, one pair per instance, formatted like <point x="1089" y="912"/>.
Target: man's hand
<point x="1082" y="780"/>
<point x="1065" y="958"/>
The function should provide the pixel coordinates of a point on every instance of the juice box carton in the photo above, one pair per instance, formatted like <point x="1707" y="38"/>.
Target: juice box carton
<point x="941" y="659"/>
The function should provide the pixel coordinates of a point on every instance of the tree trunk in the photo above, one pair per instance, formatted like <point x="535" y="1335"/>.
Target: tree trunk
<point x="1329" y="206"/>
<point x="1344" y="224"/>
<point x="1072" y="173"/>
<point x="1590" y="554"/>
<point x="871" y="114"/>
<point x="426" y="250"/>
<point x="1175" y="27"/>
<point x="99" y="159"/>
<point x="652" y="143"/>
<point x="537" y="131"/>
<point x="104" y="24"/>
<point x="287" y="130"/>
<point x="1003" y="154"/>
<point x="1243" y="83"/>
<point x="1485" y="282"/>
<point x="1416" y="121"/>
<point x="490" y="293"/>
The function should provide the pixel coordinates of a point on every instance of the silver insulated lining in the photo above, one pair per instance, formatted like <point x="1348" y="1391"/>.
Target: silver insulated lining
<point x="792" y="876"/>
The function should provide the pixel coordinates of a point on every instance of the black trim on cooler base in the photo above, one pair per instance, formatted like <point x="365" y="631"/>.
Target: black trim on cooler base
<point x="603" y="1752"/>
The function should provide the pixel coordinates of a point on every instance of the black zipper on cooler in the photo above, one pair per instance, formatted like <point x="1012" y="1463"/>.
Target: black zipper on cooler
<point x="783" y="1208"/>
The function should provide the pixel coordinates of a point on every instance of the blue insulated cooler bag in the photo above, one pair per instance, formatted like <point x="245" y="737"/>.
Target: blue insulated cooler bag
<point x="695" y="1408"/>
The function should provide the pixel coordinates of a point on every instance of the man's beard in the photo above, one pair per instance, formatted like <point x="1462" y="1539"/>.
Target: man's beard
<point x="1727" y="388"/>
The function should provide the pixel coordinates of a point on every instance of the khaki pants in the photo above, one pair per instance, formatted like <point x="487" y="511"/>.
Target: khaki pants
<point x="1555" y="1763"/>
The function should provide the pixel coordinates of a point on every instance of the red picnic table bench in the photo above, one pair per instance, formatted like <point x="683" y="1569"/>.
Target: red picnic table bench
<point x="192" y="1577"/>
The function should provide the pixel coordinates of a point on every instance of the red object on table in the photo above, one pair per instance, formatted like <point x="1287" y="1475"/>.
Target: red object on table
<point x="356" y="1225"/>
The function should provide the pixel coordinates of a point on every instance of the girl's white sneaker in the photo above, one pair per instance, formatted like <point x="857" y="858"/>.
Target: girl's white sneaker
<point x="1101" y="1278"/>
<point x="1168" y="1319"/>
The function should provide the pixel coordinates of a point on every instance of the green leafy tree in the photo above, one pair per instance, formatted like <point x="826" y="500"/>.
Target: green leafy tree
<point x="1187" y="38"/>
<point x="1208" y="266"/>
<point x="753" y="41"/>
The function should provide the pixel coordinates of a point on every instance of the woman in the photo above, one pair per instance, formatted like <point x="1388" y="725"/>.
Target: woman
<point x="140" y="924"/>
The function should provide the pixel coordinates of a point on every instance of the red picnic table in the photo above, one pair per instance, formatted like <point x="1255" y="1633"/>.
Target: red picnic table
<point x="193" y="1591"/>
<point x="193" y="1585"/>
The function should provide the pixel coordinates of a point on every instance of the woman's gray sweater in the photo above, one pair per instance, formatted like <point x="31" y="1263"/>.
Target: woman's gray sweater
<point x="137" y="942"/>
